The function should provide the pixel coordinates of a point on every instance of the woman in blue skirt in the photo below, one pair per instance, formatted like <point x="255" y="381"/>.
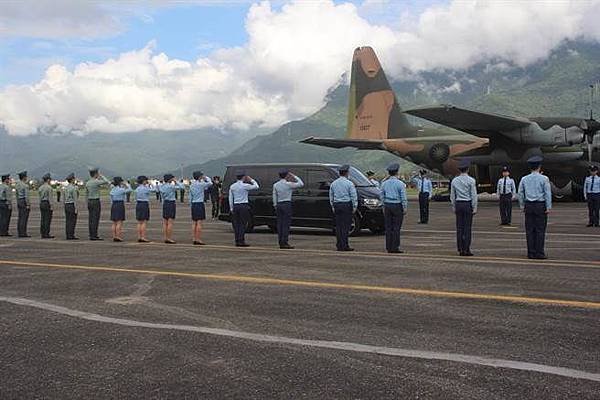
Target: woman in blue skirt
<point x="168" y="191"/>
<point x="142" y="206"/>
<point x="198" y="190"/>
<point x="118" y="193"/>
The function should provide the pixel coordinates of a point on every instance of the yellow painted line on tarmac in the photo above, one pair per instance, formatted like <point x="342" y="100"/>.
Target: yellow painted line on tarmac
<point x="404" y="256"/>
<point x="318" y="284"/>
<point x="416" y="256"/>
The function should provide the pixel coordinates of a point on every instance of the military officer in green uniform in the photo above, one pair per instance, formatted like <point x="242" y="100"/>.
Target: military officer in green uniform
<point x="5" y="205"/>
<point x="45" y="195"/>
<point x="71" y="196"/>
<point x="23" y="205"/>
<point x="92" y="187"/>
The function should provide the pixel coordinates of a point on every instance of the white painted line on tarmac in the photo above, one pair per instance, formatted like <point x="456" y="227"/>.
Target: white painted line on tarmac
<point x="324" y="344"/>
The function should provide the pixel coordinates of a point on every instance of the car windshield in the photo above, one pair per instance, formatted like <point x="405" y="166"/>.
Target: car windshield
<point x="358" y="178"/>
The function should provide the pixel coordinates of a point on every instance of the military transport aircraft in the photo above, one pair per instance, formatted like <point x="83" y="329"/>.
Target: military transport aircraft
<point x="490" y="141"/>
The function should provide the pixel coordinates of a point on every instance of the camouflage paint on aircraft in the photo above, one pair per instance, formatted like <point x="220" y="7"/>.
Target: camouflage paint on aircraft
<point x="376" y="122"/>
<point x="490" y="141"/>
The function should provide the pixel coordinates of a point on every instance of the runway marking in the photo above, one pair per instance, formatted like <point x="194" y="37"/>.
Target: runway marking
<point x="410" y="256"/>
<point x="500" y="232"/>
<point x="323" y="344"/>
<point x="364" y="254"/>
<point x="322" y="285"/>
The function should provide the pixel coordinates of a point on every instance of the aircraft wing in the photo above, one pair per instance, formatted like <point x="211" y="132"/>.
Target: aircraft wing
<point x="473" y="122"/>
<point x="362" y="144"/>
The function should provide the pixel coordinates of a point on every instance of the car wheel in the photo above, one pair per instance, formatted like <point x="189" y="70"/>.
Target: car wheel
<point x="355" y="227"/>
<point x="377" y="230"/>
<point x="250" y="226"/>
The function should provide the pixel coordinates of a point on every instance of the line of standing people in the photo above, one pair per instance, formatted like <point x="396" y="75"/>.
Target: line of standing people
<point x="534" y="196"/>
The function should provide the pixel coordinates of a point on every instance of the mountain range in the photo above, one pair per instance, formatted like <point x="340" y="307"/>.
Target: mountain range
<point x="126" y="154"/>
<point x="555" y="86"/>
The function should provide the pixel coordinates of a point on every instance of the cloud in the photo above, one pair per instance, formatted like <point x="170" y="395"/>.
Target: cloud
<point x="57" y="19"/>
<point x="294" y="54"/>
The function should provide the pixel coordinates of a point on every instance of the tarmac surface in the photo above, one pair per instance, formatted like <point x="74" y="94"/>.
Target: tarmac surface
<point x="127" y="320"/>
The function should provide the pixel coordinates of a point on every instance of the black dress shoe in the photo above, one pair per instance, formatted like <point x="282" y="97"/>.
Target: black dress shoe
<point x="467" y="254"/>
<point x="395" y="251"/>
<point x="198" y="243"/>
<point x="169" y="241"/>
<point x="48" y="237"/>
<point x="242" y="245"/>
<point x="143" y="241"/>
<point x="73" y="238"/>
<point x="24" y="236"/>
<point x="96" y="238"/>
<point x="542" y="257"/>
<point x="589" y="225"/>
<point x="286" y="246"/>
<point x="348" y="249"/>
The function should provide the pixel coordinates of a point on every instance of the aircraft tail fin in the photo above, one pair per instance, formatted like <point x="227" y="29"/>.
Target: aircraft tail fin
<point x="373" y="110"/>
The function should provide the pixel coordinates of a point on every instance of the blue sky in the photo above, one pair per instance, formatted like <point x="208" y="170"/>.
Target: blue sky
<point x="181" y="30"/>
<point x="238" y="65"/>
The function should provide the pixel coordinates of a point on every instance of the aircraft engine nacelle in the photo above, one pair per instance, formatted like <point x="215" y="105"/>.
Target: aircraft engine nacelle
<point x="567" y="189"/>
<point x="553" y="136"/>
<point x="573" y="135"/>
<point x="439" y="152"/>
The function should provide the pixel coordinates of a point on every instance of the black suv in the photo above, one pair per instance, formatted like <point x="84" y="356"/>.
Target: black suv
<point x="311" y="203"/>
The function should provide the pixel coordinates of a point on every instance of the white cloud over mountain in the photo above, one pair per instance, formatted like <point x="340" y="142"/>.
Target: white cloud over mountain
<point x="293" y="56"/>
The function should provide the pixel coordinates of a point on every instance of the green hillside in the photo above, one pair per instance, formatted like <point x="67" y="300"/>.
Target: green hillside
<point x="126" y="154"/>
<point x="557" y="86"/>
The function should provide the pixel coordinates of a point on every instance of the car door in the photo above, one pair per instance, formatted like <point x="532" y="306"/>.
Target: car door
<point x="260" y="199"/>
<point x="318" y="208"/>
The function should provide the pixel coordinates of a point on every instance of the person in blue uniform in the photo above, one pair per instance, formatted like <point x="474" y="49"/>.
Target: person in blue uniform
<point x="344" y="202"/>
<point x="142" y="206"/>
<point x="118" y="196"/>
<point x="5" y="205"/>
<point x="591" y="193"/>
<point x="506" y="190"/>
<point x="198" y="189"/>
<point x="23" y="204"/>
<point x="168" y="193"/>
<point x="282" y="201"/>
<point x="239" y="207"/>
<point x="463" y="195"/>
<point x="395" y="206"/>
<point x="371" y="176"/>
<point x="425" y="189"/>
<point x="535" y="199"/>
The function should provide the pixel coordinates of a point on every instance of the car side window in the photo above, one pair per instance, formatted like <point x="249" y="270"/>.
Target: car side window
<point x="319" y="179"/>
